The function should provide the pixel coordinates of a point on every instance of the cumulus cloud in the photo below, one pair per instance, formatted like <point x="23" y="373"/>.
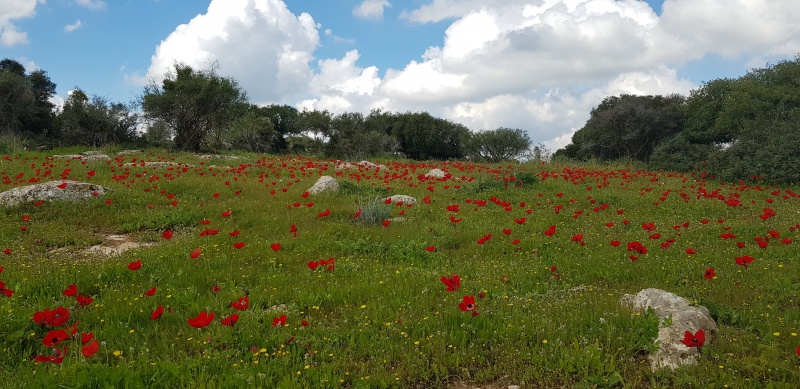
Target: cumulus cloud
<point x="91" y="4"/>
<point x="72" y="27"/>
<point x="260" y="43"/>
<point x="538" y="65"/>
<point x="11" y="10"/>
<point x="371" y="9"/>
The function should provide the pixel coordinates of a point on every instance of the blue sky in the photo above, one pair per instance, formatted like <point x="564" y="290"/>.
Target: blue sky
<point x="539" y="65"/>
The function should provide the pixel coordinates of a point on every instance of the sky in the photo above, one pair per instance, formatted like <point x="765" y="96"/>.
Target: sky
<point x="537" y="65"/>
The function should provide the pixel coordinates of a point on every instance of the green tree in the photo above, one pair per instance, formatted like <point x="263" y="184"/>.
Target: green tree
<point x="502" y="144"/>
<point x="628" y="126"/>
<point x="95" y="121"/>
<point x="194" y="104"/>
<point x="284" y="122"/>
<point x="423" y="136"/>
<point x="25" y="107"/>
<point x="252" y="131"/>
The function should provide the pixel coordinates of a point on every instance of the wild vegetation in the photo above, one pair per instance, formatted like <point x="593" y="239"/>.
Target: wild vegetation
<point x="498" y="274"/>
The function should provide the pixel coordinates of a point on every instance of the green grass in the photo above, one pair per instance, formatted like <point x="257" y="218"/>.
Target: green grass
<point x="381" y="317"/>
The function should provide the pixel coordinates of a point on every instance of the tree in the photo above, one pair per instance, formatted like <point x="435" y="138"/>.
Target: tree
<point x="423" y="136"/>
<point x="252" y="132"/>
<point x="25" y="107"/>
<point x="194" y="104"/>
<point x="95" y="121"/>
<point x="628" y="126"/>
<point x="284" y="122"/>
<point x="502" y="144"/>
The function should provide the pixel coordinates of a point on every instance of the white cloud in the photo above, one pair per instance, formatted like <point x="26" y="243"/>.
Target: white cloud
<point x="538" y="65"/>
<point x="11" y="10"/>
<point x="91" y="4"/>
<point x="260" y="43"/>
<point x="371" y="9"/>
<point x="72" y="27"/>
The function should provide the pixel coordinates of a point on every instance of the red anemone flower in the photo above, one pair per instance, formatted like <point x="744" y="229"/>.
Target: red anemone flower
<point x="84" y="300"/>
<point x="234" y="233"/>
<point x="54" y="318"/>
<point x="279" y="321"/>
<point x="7" y="251"/>
<point x="691" y="251"/>
<point x="167" y="234"/>
<point x="275" y="246"/>
<point x="467" y="304"/>
<point x="215" y="288"/>
<point x="57" y="359"/>
<point x="453" y="283"/>
<point x="313" y="265"/>
<point x="550" y="230"/>
<point x="520" y="220"/>
<point x="195" y="253"/>
<point x="85" y="338"/>
<point x="71" y="291"/>
<point x="203" y="319"/>
<point x="226" y="213"/>
<point x="54" y="337"/>
<point x="230" y="320"/>
<point x="615" y="243"/>
<point x="709" y="274"/>
<point x="386" y="223"/>
<point x="744" y="260"/>
<point x="324" y="213"/>
<point x="430" y="249"/>
<point x="238" y="245"/>
<point x="241" y="304"/>
<point x="90" y="349"/>
<point x="694" y="340"/>
<point x="150" y="292"/>
<point x="135" y="265"/>
<point x="157" y="313"/>
<point x="455" y="220"/>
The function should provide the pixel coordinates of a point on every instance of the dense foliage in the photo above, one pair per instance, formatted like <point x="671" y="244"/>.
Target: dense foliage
<point x="732" y="129"/>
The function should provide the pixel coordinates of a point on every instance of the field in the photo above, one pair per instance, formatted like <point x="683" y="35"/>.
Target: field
<point x="342" y="289"/>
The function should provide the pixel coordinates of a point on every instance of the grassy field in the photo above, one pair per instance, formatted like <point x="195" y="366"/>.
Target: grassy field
<point x="363" y="298"/>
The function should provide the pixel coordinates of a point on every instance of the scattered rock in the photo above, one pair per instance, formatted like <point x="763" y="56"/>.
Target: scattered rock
<point x="324" y="184"/>
<point x="436" y="173"/>
<point x="123" y="152"/>
<point x="370" y="165"/>
<point x="115" y="245"/>
<point x="404" y="199"/>
<point x="217" y="156"/>
<point x="48" y="191"/>
<point x="341" y="165"/>
<point x="684" y="317"/>
<point x="158" y="164"/>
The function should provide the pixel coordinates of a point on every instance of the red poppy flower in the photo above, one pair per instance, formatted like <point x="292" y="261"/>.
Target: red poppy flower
<point x="57" y="359"/>
<point x="324" y="213"/>
<point x="54" y="337"/>
<point x="238" y="245"/>
<point x="507" y="231"/>
<point x="430" y="249"/>
<point x="578" y="238"/>
<point x="279" y="321"/>
<point x="90" y="173"/>
<point x="38" y="203"/>
<point x="293" y="230"/>
<point x="304" y="323"/>
<point x="744" y="260"/>
<point x="275" y="246"/>
<point x="313" y="265"/>
<point x="694" y="340"/>
<point x="216" y="195"/>
<point x="90" y="349"/>
<point x="215" y="288"/>
<point x="157" y="313"/>
<point x="174" y="203"/>
<point x="615" y="243"/>
<point x="740" y="245"/>
<point x="798" y="351"/>
<point x="62" y="185"/>
<point x="709" y="274"/>
<point x="241" y="304"/>
<point x="226" y="213"/>
<point x="453" y="283"/>
<point x="230" y="320"/>
<point x="327" y="262"/>
<point x="705" y="221"/>
<point x="108" y="202"/>
<point x="150" y="292"/>
<point x="691" y="251"/>
<point x="54" y="318"/>
<point x="84" y="300"/>
<point x="167" y="234"/>
<point x="455" y="220"/>
<point x="203" y="319"/>
<point x="386" y="223"/>
<point x="135" y="265"/>
<point x="234" y="233"/>
<point x="520" y="220"/>
<point x="205" y="222"/>
<point x="550" y="230"/>
<point x="85" y="338"/>
<point x="467" y="304"/>
<point x="23" y="228"/>
<point x="786" y="240"/>
<point x="7" y="251"/>
<point x="305" y="195"/>
<point x="195" y="253"/>
<point x="71" y="291"/>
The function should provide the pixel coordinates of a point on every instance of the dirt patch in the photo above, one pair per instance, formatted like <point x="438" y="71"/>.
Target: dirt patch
<point x="114" y="245"/>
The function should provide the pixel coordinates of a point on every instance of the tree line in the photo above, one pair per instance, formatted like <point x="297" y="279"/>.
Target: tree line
<point x="199" y="110"/>
<point x="746" y="128"/>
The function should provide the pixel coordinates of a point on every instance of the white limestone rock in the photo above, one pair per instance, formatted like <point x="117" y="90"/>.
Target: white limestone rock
<point x="682" y="317"/>
<point x="324" y="184"/>
<point x="49" y="191"/>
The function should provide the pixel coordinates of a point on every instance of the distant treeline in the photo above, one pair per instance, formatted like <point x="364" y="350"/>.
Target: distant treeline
<point x="730" y="129"/>
<point x="198" y="110"/>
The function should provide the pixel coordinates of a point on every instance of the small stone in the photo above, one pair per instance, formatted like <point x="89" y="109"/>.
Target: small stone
<point x="324" y="184"/>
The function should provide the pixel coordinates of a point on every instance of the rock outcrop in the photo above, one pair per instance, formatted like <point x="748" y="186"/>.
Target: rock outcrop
<point x="676" y="316"/>
<point x="324" y="184"/>
<point x="49" y="191"/>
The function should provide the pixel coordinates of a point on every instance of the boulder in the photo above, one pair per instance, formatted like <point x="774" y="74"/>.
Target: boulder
<point x="436" y="173"/>
<point x="403" y="198"/>
<point x="676" y="316"/>
<point x="324" y="184"/>
<point x="48" y="191"/>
